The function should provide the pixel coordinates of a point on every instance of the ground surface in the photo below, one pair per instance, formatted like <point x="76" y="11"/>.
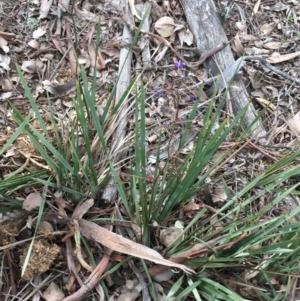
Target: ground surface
<point x="39" y="35"/>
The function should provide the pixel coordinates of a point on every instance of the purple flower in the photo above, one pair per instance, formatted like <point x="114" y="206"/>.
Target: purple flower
<point x="179" y="65"/>
<point x="192" y="98"/>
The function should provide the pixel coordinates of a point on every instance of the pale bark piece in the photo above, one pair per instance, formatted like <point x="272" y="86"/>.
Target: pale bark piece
<point x="110" y="191"/>
<point x="208" y="32"/>
<point x="120" y="244"/>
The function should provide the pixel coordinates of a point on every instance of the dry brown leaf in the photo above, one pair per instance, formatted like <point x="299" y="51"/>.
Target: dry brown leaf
<point x="266" y="102"/>
<point x="219" y="195"/>
<point x="256" y="6"/>
<point x="278" y="58"/>
<point x="7" y="35"/>
<point x="4" y="62"/>
<point x="133" y="10"/>
<point x="279" y="6"/>
<point x="3" y="42"/>
<point x="238" y="47"/>
<point x="7" y="85"/>
<point x="63" y="5"/>
<point x="267" y="27"/>
<point x="294" y="124"/>
<point x="58" y="45"/>
<point x="34" y="44"/>
<point x="271" y="91"/>
<point x="32" y="201"/>
<point x="113" y="51"/>
<point x="86" y="15"/>
<point x="171" y="235"/>
<point x="38" y="33"/>
<point x="53" y="293"/>
<point x="44" y="227"/>
<point x="185" y="36"/>
<point x="72" y="59"/>
<point x="69" y="86"/>
<point x="191" y="206"/>
<point x="242" y="26"/>
<point x="82" y="208"/>
<point x="160" y="292"/>
<point x="256" y="51"/>
<point x="215" y="223"/>
<point x="100" y="62"/>
<point x="123" y="245"/>
<point x="32" y="66"/>
<point x="161" y="55"/>
<point x="129" y="292"/>
<point x="248" y="37"/>
<point x="166" y="275"/>
<point x="276" y="45"/>
<point x="165" y="26"/>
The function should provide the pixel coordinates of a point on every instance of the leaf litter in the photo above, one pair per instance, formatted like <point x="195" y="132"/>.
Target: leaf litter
<point x="39" y="36"/>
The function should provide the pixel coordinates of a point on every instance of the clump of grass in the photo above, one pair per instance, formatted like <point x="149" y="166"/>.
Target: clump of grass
<point x="238" y="244"/>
